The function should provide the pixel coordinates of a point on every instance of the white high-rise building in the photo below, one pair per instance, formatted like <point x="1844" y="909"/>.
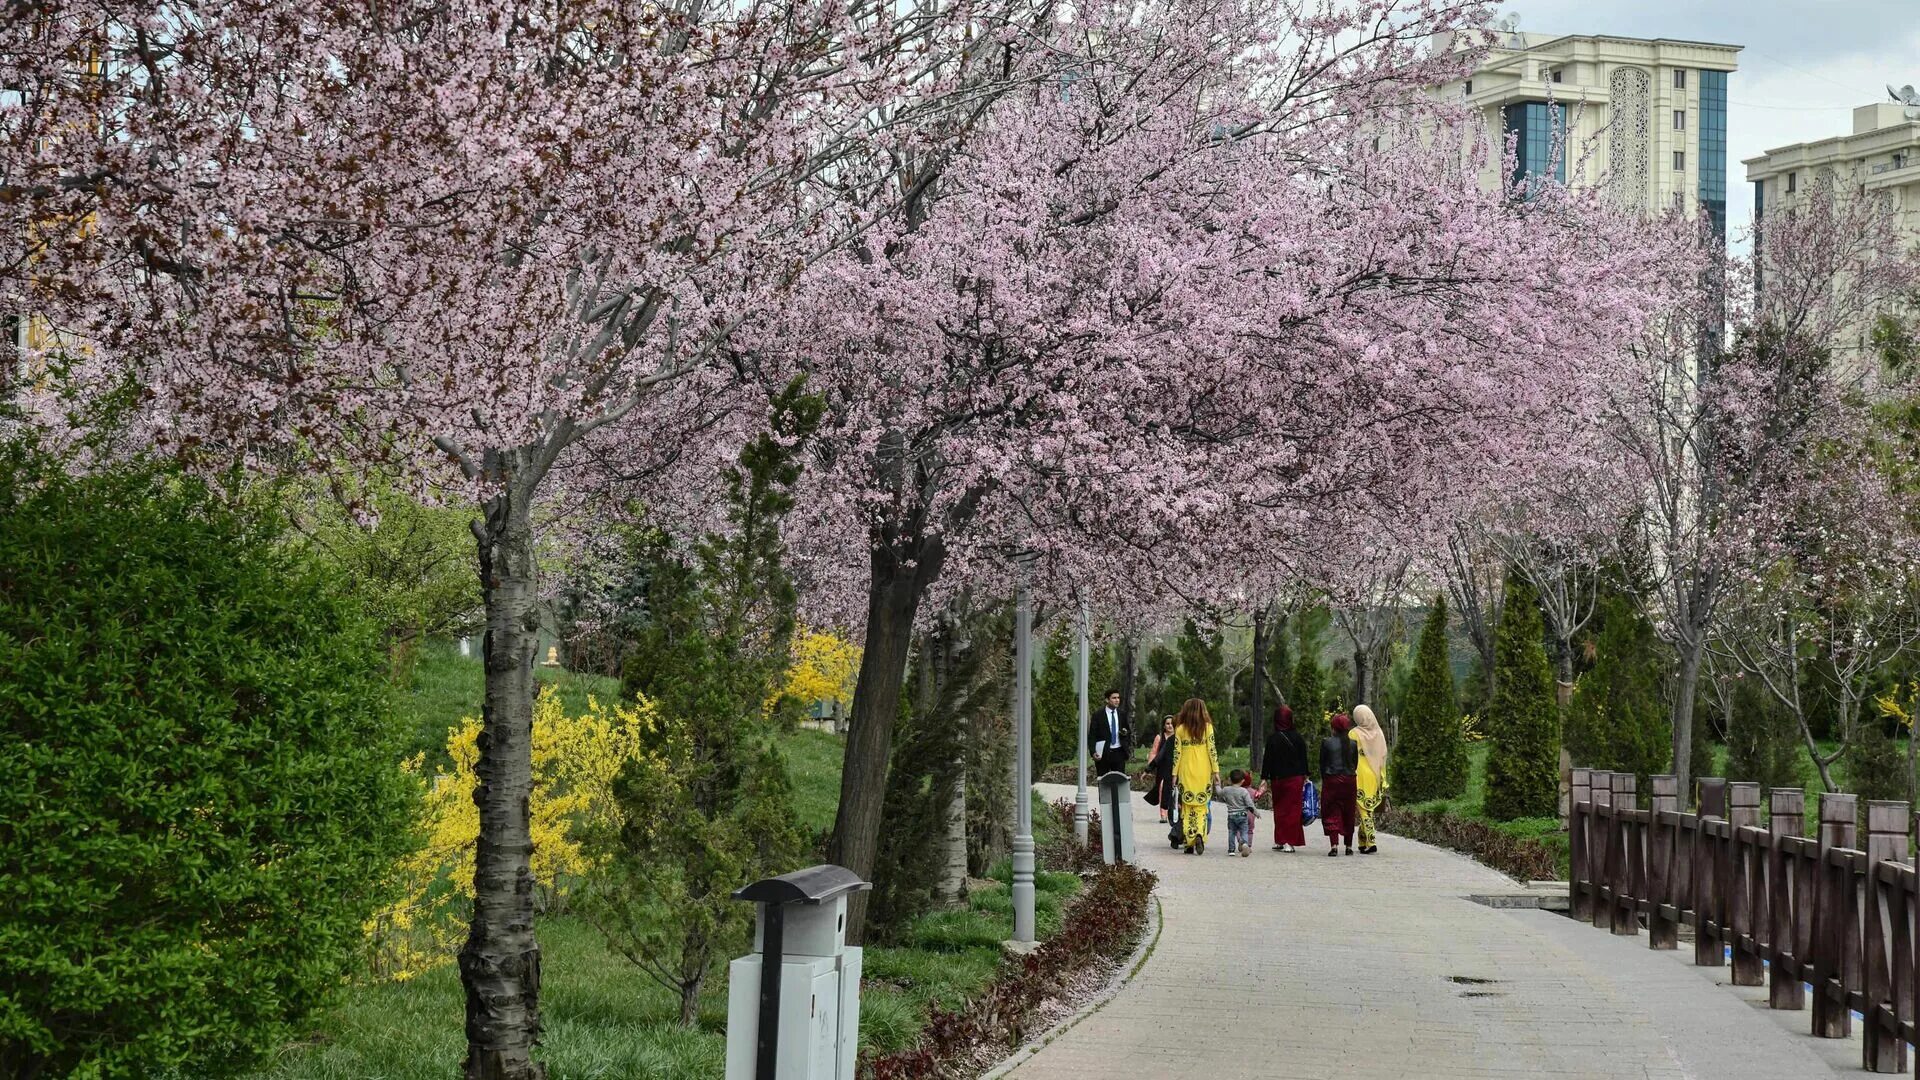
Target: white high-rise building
<point x="1653" y="113"/>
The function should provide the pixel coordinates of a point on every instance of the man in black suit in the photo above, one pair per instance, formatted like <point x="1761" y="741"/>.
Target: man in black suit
<point x="1109" y="736"/>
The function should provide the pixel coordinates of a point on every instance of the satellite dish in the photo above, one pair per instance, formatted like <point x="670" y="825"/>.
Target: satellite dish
<point x="1909" y="97"/>
<point x="1509" y="25"/>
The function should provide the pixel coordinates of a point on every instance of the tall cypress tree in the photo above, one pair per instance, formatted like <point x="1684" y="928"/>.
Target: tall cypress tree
<point x="1618" y="719"/>
<point x="1523" y="719"/>
<point x="1308" y="694"/>
<point x="1056" y="704"/>
<point x="1430" y="761"/>
<point x="1763" y="738"/>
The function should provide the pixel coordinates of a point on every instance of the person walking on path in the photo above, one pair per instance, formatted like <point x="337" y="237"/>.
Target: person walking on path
<point x="1370" y="778"/>
<point x="1110" y="736"/>
<point x="1160" y="773"/>
<point x="1339" y="761"/>
<point x="1284" y="768"/>
<point x="1196" y="771"/>
<point x="1241" y="814"/>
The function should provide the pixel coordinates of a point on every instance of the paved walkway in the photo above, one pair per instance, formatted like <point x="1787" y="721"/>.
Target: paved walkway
<point x="1280" y="966"/>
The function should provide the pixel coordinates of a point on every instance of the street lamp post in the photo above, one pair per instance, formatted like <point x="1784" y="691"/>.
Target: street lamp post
<point x="1023" y="761"/>
<point x="1080" y="796"/>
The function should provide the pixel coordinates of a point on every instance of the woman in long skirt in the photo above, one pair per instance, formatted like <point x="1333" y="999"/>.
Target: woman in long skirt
<point x="1284" y="768"/>
<point x="1339" y="760"/>
<point x="1160" y="769"/>
<point x="1370" y="776"/>
<point x="1196" y="770"/>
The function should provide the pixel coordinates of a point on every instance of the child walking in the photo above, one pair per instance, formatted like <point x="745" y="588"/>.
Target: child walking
<point x="1240" y="813"/>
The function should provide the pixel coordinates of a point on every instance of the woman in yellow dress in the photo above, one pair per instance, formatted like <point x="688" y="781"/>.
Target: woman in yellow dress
<point x="1196" y="771"/>
<point x="1370" y="779"/>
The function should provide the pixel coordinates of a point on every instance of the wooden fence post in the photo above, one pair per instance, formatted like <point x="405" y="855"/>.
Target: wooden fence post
<point x="1662" y="931"/>
<point x="1707" y="950"/>
<point x="1628" y="853"/>
<point x="1600" y="849"/>
<point x="1883" y="1050"/>
<point x="1833" y="911"/>
<point x="1738" y="865"/>
<point x="1784" y="988"/>
<point x="1580" y="817"/>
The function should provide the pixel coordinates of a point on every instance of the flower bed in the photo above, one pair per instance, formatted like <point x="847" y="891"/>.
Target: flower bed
<point x="1520" y="857"/>
<point x="1031" y="991"/>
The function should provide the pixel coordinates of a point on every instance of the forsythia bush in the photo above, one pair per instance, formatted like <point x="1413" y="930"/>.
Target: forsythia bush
<point x="575" y="761"/>
<point x="823" y="667"/>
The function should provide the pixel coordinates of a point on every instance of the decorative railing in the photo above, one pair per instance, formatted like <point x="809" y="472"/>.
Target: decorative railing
<point x="1829" y="918"/>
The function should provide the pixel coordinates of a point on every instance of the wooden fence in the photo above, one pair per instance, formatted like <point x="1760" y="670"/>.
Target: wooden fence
<point x="1832" y="913"/>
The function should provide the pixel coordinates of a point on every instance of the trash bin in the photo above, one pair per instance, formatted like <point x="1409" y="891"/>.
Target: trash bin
<point x="793" y="1004"/>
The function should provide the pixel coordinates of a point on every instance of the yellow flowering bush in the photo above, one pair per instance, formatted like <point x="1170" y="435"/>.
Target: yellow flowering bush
<point x="575" y="761"/>
<point x="823" y="667"/>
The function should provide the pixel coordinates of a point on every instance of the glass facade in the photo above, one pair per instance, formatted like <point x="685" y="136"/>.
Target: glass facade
<point x="1540" y="144"/>
<point x="1713" y="149"/>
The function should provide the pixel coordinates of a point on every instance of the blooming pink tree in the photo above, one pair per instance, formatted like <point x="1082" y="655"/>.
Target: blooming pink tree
<point x="1194" y="313"/>
<point x="1721" y="436"/>
<point x="459" y="240"/>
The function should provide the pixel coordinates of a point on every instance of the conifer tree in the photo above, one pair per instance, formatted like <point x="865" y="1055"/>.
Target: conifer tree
<point x="1523" y="719"/>
<point x="1430" y="761"/>
<point x="1763" y="740"/>
<point x="1056" y="704"/>
<point x="1618" y="718"/>
<point x="1308" y="694"/>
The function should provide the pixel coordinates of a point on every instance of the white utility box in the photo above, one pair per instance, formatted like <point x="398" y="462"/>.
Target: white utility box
<point x="800" y="933"/>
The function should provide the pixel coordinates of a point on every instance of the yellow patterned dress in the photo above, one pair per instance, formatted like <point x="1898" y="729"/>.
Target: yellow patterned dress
<point x="1195" y="764"/>
<point x="1367" y="788"/>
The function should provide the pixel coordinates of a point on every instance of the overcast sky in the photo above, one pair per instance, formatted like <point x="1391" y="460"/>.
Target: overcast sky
<point x="1806" y="63"/>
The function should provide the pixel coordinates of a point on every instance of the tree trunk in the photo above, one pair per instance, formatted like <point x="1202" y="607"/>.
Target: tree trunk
<point x="690" y="998"/>
<point x="1684" y="686"/>
<point x="893" y="598"/>
<point x="1257" y="726"/>
<point x="500" y="962"/>
<point x="1127" y="672"/>
<point x="1563" y="675"/>
<point x="1362" y="676"/>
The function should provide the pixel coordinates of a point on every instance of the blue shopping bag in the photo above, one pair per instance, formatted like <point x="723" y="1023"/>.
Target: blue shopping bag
<point x="1309" y="804"/>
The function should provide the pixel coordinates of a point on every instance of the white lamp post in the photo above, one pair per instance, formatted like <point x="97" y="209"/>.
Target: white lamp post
<point x="1023" y="761"/>
<point x="1080" y="796"/>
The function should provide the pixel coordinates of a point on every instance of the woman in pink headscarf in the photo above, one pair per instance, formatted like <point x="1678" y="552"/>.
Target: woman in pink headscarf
<point x="1339" y="761"/>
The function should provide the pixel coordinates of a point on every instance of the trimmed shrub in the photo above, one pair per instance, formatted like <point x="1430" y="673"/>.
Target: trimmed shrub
<point x="200" y="795"/>
<point x="1763" y="739"/>
<point x="1430" y="761"/>
<point x="1523" y="858"/>
<point x="1523" y="719"/>
<point x="1100" y="929"/>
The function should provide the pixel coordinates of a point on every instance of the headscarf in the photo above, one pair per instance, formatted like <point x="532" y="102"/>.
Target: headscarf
<point x="1372" y="740"/>
<point x="1283" y="719"/>
<point x="1341" y="725"/>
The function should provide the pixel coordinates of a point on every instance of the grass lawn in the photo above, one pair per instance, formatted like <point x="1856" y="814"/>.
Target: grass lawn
<point x="1472" y="803"/>
<point x="603" y="1017"/>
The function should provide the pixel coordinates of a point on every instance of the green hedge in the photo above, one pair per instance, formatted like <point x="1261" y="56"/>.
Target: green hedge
<point x="198" y="790"/>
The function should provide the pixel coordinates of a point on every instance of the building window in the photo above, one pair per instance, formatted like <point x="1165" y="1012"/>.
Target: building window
<point x="1679" y="161"/>
<point x="1679" y="78"/>
<point x="1711" y="120"/>
<point x="1556" y="76"/>
<point x="1793" y="182"/>
<point x="1539" y="131"/>
<point x="1679" y="119"/>
<point x="1469" y="86"/>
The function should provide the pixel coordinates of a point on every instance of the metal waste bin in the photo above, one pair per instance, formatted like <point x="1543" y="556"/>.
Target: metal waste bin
<point x="793" y="1004"/>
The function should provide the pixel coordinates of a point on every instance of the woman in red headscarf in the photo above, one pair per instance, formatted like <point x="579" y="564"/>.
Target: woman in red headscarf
<point x="1284" y="768"/>
<point x="1339" y="761"/>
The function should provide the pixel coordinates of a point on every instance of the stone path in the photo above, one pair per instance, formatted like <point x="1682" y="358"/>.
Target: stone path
<point x="1282" y="966"/>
